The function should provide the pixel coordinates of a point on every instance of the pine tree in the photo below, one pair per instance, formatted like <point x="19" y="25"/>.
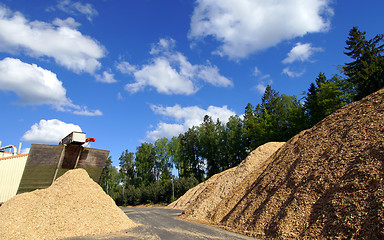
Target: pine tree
<point x="366" y="72"/>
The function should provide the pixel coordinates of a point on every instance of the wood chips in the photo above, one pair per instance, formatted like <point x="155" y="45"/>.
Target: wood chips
<point x="325" y="183"/>
<point x="74" y="205"/>
<point x="199" y="201"/>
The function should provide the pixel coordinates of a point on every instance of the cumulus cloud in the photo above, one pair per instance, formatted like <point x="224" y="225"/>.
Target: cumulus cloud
<point x="36" y="86"/>
<point x="161" y="75"/>
<point x="75" y="8"/>
<point x="59" y="40"/>
<point x="246" y="26"/>
<point x="49" y="131"/>
<point x="169" y="72"/>
<point x="301" y="52"/>
<point x="184" y="118"/>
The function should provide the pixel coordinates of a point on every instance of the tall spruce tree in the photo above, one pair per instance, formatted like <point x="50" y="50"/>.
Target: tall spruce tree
<point x="237" y="146"/>
<point x="366" y="71"/>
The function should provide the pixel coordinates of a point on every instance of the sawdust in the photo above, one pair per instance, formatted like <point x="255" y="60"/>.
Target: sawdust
<point x="74" y="205"/>
<point x="200" y="200"/>
<point x="326" y="182"/>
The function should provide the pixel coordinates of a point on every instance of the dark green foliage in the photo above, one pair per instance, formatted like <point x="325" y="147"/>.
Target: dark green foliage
<point x="366" y="71"/>
<point x="209" y="145"/>
<point x="105" y="177"/>
<point x="127" y="168"/>
<point x="162" y="150"/>
<point x="156" y="192"/>
<point x="235" y="146"/>
<point x="145" y="163"/>
<point x="277" y="118"/>
<point x="190" y="164"/>
<point x="325" y="97"/>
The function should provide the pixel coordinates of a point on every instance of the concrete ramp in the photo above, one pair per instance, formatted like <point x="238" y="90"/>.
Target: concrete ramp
<point x="46" y="163"/>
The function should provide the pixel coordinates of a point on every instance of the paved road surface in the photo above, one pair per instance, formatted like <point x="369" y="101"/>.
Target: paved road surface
<point x="161" y="223"/>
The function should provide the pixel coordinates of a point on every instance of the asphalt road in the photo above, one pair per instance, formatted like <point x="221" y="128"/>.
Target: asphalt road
<point x="161" y="223"/>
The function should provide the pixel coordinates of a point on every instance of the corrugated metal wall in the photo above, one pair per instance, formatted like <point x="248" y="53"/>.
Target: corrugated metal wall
<point x="11" y="171"/>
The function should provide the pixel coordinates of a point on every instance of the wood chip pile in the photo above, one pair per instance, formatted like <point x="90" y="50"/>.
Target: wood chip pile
<point x="325" y="183"/>
<point x="74" y="205"/>
<point x="199" y="201"/>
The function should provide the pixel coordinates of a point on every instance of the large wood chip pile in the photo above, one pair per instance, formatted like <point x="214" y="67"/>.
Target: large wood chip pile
<point x="325" y="183"/>
<point x="74" y="205"/>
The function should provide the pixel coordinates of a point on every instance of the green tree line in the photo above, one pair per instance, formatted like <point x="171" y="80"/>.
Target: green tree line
<point x="213" y="146"/>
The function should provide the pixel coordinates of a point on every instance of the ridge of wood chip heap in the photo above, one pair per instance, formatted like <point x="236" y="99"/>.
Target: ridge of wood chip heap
<point x="199" y="201"/>
<point x="74" y="205"/>
<point x="326" y="182"/>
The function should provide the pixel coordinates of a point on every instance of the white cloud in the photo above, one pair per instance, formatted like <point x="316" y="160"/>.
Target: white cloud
<point x="36" y="86"/>
<point x="246" y="26"/>
<point x="69" y="22"/>
<point x="59" y="40"/>
<point x="301" y="52"/>
<point x="85" y="112"/>
<point x="260" y="87"/>
<point x="167" y="130"/>
<point x="126" y="68"/>
<point x="169" y="72"/>
<point x="185" y="118"/>
<point x="164" y="45"/>
<point x="76" y="7"/>
<point x="49" y="131"/>
<point x="291" y="73"/>
<point x="211" y="75"/>
<point x="106" y="77"/>
<point x="163" y="77"/>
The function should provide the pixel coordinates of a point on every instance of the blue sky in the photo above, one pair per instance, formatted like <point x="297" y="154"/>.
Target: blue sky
<point x="126" y="72"/>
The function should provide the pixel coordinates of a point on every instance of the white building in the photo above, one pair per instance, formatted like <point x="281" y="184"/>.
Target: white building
<point x="11" y="170"/>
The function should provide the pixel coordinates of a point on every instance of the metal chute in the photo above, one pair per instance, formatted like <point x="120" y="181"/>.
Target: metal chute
<point x="46" y="163"/>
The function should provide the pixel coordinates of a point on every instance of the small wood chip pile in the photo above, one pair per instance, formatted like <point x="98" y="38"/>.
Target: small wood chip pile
<point x="74" y="205"/>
